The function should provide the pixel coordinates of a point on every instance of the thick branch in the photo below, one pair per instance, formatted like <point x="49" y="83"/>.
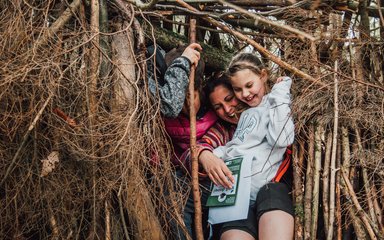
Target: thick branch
<point x="218" y="59"/>
<point x="260" y="48"/>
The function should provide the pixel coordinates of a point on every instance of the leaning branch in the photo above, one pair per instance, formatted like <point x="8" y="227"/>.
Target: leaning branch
<point x="58" y="24"/>
<point x="260" y="48"/>
<point x="302" y="35"/>
<point x="25" y="138"/>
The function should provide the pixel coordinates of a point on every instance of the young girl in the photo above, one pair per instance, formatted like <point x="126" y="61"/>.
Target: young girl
<point x="264" y="131"/>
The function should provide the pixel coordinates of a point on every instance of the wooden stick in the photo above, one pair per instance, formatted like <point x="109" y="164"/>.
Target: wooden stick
<point x="309" y="184"/>
<point x="24" y="140"/>
<point x="298" y="159"/>
<point x="333" y="159"/>
<point x="366" y="183"/>
<point x="107" y="220"/>
<point x="327" y="162"/>
<point x="92" y="111"/>
<point x="319" y="135"/>
<point x="260" y="48"/>
<point x="363" y="216"/>
<point x="59" y="23"/>
<point x="195" y="163"/>
<point x="286" y="28"/>
<point x="338" y="194"/>
<point x="376" y="206"/>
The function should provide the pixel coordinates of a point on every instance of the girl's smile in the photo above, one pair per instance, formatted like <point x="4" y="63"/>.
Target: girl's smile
<point x="249" y="87"/>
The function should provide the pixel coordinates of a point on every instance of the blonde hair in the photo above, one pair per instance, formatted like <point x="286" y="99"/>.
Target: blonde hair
<point x="248" y="61"/>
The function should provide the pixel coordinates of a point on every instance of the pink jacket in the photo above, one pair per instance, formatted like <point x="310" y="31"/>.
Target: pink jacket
<point x="179" y="131"/>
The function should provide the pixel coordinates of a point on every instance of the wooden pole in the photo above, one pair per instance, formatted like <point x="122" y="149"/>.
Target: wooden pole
<point x="333" y="159"/>
<point x="195" y="163"/>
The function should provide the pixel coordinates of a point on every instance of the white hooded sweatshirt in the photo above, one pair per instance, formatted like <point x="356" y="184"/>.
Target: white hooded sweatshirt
<point x="264" y="132"/>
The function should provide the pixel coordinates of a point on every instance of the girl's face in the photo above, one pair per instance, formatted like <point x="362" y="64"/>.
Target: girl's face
<point x="249" y="87"/>
<point x="225" y="103"/>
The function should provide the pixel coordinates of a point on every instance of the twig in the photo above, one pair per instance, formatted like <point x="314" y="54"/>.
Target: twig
<point x="366" y="183"/>
<point x="360" y="211"/>
<point x="302" y="35"/>
<point x="122" y="212"/>
<point x="298" y="159"/>
<point x="376" y="206"/>
<point x="333" y="157"/>
<point x="25" y="138"/>
<point x="107" y="220"/>
<point x="92" y="93"/>
<point x="338" y="194"/>
<point x="379" y="9"/>
<point x="195" y="164"/>
<point x="319" y="135"/>
<point x="327" y="162"/>
<point x="141" y="5"/>
<point x="58" y="24"/>
<point x="309" y="184"/>
<point x="260" y="48"/>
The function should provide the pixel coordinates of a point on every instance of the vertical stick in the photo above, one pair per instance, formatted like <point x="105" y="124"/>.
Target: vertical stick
<point x="195" y="163"/>
<point x="363" y="216"/>
<point x="338" y="194"/>
<point x="94" y="68"/>
<point x="333" y="159"/>
<point x="107" y="220"/>
<point x="298" y="159"/>
<point x="309" y="184"/>
<point x="367" y="185"/>
<point x="319" y="135"/>
<point x="327" y="162"/>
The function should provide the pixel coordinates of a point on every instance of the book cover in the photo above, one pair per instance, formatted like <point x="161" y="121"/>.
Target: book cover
<point x="221" y="196"/>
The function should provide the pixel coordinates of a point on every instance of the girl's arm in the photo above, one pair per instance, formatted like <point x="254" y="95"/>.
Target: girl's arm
<point x="281" y="127"/>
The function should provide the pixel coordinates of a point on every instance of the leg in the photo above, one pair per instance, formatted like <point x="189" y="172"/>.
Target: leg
<point x="245" y="229"/>
<point x="277" y="225"/>
<point x="235" y="234"/>
<point x="275" y="212"/>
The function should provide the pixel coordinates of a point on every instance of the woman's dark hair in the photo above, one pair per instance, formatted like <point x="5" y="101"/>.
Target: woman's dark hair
<point x="222" y="80"/>
<point x="245" y="61"/>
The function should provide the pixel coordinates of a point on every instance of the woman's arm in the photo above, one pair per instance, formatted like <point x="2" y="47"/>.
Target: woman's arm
<point x="176" y="78"/>
<point x="172" y="93"/>
<point x="212" y="166"/>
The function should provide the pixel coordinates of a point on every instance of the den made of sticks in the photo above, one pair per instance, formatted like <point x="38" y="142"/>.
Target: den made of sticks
<point x="79" y="128"/>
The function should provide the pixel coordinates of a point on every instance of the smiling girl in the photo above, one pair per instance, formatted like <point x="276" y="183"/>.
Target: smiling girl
<point x="264" y="131"/>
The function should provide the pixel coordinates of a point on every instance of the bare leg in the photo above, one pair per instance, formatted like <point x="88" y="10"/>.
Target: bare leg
<point x="276" y="225"/>
<point x="235" y="234"/>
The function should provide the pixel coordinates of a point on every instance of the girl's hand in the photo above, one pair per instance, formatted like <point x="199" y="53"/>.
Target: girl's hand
<point x="192" y="53"/>
<point x="216" y="169"/>
<point x="279" y="79"/>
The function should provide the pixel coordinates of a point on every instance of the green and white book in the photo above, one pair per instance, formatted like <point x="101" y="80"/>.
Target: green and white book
<point x="240" y="204"/>
<point x="221" y="196"/>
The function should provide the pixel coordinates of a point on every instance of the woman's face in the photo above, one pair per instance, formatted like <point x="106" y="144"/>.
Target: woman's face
<point x="249" y="87"/>
<point x="225" y="104"/>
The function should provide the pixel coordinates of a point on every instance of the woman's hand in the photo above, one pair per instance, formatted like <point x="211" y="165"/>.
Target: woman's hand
<point x="192" y="53"/>
<point x="216" y="169"/>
